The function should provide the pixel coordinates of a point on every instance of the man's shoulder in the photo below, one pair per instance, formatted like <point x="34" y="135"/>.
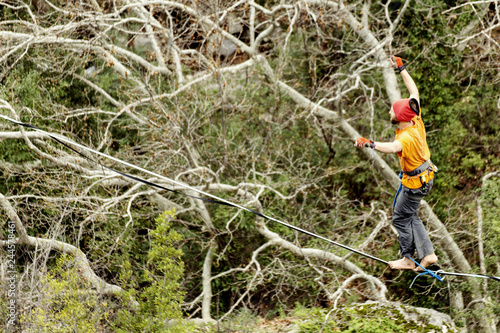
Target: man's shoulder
<point x="413" y="132"/>
<point x="405" y="138"/>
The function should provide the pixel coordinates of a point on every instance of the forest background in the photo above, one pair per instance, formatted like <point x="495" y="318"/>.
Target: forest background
<point x="259" y="103"/>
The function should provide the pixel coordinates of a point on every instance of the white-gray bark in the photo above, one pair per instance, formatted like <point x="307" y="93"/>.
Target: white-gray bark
<point x="161" y="89"/>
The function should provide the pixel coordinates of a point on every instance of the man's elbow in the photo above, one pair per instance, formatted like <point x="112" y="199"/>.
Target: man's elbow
<point x="394" y="150"/>
<point x="396" y="147"/>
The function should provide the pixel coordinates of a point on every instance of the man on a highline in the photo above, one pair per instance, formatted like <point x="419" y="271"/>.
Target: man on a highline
<point x="417" y="174"/>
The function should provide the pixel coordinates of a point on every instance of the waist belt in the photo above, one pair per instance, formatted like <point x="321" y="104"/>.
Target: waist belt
<point x="421" y="168"/>
<point x="426" y="166"/>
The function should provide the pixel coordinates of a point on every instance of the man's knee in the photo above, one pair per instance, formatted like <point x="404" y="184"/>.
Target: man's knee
<point x="400" y="217"/>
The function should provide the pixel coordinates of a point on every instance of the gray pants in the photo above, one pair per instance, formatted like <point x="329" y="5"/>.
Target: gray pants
<point x="412" y="233"/>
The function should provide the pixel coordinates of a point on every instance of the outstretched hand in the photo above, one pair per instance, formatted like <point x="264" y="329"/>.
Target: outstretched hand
<point x="364" y="143"/>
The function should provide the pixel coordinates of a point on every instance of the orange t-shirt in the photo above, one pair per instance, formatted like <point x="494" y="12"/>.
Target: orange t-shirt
<point x="415" y="151"/>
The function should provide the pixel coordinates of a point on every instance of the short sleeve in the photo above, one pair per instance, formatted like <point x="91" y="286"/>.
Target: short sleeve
<point x="405" y="142"/>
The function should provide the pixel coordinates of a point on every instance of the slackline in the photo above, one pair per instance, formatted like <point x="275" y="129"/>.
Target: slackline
<point x="212" y="198"/>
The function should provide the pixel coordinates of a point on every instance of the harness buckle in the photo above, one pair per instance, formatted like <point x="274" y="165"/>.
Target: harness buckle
<point x="422" y="179"/>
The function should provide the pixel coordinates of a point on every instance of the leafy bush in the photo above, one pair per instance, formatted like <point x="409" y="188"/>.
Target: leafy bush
<point x="365" y="318"/>
<point x="66" y="303"/>
<point x="159" y="307"/>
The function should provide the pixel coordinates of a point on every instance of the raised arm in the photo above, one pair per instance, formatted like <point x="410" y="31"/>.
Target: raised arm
<point x="396" y="62"/>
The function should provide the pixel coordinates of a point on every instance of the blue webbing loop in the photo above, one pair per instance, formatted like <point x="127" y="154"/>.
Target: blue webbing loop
<point x="426" y="271"/>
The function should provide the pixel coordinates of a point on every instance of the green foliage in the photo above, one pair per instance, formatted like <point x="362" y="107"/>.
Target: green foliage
<point x="243" y="321"/>
<point x="490" y="204"/>
<point x="455" y="101"/>
<point x="66" y="303"/>
<point x="365" y="318"/>
<point x="159" y="302"/>
<point x="312" y="320"/>
<point x="15" y="152"/>
<point x="4" y="302"/>
<point x="265" y="140"/>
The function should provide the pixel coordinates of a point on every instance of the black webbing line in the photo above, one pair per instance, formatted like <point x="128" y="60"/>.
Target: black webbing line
<point x="482" y="276"/>
<point x="217" y="201"/>
<point x="141" y="180"/>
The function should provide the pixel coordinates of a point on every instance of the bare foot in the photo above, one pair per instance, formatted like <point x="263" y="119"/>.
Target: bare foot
<point x="426" y="262"/>
<point x="404" y="263"/>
